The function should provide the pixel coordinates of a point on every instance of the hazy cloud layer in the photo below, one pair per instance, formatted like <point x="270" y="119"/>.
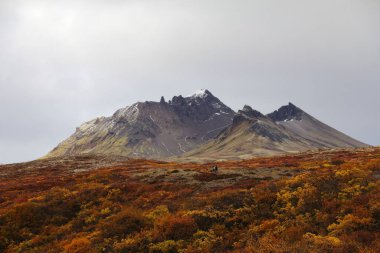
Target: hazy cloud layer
<point x="65" y="62"/>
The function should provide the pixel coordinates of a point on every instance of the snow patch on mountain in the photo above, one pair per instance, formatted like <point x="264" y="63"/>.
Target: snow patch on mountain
<point x="202" y="93"/>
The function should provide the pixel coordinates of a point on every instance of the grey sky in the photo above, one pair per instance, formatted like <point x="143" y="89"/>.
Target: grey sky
<point x="65" y="62"/>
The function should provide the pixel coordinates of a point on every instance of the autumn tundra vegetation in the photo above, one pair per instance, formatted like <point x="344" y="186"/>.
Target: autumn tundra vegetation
<point x="326" y="201"/>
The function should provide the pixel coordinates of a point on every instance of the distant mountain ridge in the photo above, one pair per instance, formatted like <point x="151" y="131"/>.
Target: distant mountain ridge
<point x="201" y="126"/>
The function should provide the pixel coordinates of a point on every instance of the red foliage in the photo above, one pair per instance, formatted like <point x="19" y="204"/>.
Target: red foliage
<point x="314" y="202"/>
<point x="174" y="228"/>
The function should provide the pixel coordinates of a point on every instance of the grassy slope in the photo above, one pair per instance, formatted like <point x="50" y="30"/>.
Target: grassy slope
<point x="312" y="202"/>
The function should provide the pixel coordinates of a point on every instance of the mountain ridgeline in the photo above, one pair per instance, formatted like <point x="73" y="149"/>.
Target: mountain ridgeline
<point x="201" y="127"/>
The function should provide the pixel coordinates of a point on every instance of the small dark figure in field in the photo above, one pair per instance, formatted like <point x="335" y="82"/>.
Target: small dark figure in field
<point x="214" y="169"/>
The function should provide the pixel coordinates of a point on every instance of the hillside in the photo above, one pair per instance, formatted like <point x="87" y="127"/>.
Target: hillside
<point x="311" y="202"/>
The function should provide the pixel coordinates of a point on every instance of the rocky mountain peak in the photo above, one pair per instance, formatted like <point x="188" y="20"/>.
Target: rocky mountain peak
<point x="246" y="114"/>
<point x="249" y="112"/>
<point x="201" y="105"/>
<point x="202" y="93"/>
<point x="287" y="113"/>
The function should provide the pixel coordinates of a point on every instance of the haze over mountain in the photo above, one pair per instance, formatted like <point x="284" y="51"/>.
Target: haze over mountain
<point x="201" y="126"/>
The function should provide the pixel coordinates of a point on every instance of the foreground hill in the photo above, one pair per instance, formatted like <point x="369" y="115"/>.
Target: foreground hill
<point x="200" y="126"/>
<point x="311" y="202"/>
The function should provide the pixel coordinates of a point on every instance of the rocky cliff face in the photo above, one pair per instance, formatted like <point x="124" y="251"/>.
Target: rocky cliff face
<point x="287" y="113"/>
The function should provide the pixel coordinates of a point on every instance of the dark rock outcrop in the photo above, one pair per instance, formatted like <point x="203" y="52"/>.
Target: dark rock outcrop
<point x="287" y="112"/>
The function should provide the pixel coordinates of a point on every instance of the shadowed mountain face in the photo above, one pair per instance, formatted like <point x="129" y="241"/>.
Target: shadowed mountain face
<point x="152" y="129"/>
<point x="200" y="126"/>
<point x="287" y="113"/>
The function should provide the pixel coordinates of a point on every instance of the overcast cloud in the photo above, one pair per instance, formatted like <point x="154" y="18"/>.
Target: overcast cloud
<point x="66" y="62"/>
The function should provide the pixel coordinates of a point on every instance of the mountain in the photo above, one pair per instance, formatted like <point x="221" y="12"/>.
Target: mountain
<point x="200" y="126"/>
<point x="287" y="130"/>
<point x="151" y="129"/>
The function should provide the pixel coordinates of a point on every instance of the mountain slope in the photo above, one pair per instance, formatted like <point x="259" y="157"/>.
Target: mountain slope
<point x="315" y="132"/>
<point x="287" y="130"/>
<point x="151" y="129"/>
<point x="251" y="134"/>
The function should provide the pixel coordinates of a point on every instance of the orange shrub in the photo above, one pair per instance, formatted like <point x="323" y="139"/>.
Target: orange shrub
<point x="127" y="221"/>
<point x="174" y="228"/>
<point x="79" y="245"/>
